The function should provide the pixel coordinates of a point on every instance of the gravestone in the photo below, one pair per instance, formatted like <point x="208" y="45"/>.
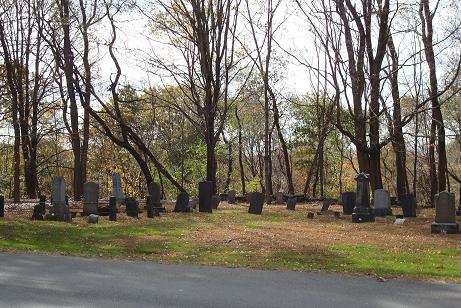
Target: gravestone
<point x="2" y="206"/>
<point x="42" y="203"/>
<point x="279" y="197"/>
<point x="113" y="209"/>
<point x="93" y="219"/>
<point x="132" y="207"/>
<point x="205" y="191"/>
<point x="310" y="215"/>
<point x="90" y="198"/>
<point x="382" y="203"/>
<point x="399" y="221"/>
<point x="193" y="203"/>
<point x="182" y="203"/>
<point x="348" y="202"/>
<point x="215" y="200"/>
<point x="150" y="208"/>
<point x="362" y="211"/>
<point x="256" y="200"/>
<point x="408" y="203"/>
<point x="291" y="203"/>
<point x="231" y="197"/>
<point x="154" y="192"/>
<point x="117" y="191"/>
<point x="60" y="207"/>
<point x="38" y="213"/>
<point x="458" y="211"/>
<point x="325" y="205"/>
<point x="445" y="214"/>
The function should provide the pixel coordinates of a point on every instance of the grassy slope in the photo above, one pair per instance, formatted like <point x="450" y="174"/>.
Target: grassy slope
<point x="276" y="240"/>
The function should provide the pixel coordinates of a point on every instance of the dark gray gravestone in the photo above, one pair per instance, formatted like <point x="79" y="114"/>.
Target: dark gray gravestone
<point x="408" y="203"/>
<point x="151" y="212"/>
<point x="445" y="214"/>
<point x="182" y="203"/>
<point x="325" y="205"/>
<point x="205" y="191"/>
<point x="215" y="200"/>
<point x="348" y="202"/>
<point x="38" y="213"/>
<point x="93" y="219"/>
<point x="458" y="211"/>
<point x="291" y="203"/>
<point x="231" y="197"/>
<point x="279" y="197"/>
<point x="2" y="206"/>
<point x="362" y="211"/>
<point x="113" y="209"/>
<point x="42" y="203"/>
<point x="381" y="203"/>
<point x="256" y="200"/>
<point x="154" y="192"/>
<point x="90" y="198"/>
<point x="132" y="207"/>
<point x="117" y="191"/>
<point x="60" y="207"/>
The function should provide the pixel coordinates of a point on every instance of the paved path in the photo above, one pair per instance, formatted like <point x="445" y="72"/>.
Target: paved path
<point x="28" y="280"/>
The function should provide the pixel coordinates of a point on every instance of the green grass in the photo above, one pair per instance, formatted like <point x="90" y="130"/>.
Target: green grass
<point x="170" y="240"/>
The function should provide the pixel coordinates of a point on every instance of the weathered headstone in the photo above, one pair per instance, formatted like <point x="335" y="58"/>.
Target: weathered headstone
<point x="113" y="209"/>
<point x="90" y="198"/>
<point x="149" y="207"/>
<point x="362" y="211"/>
<point x="291" y="203"/>
<point x="399" y="221"/>
<point x="182" y="203"/>
<point x="93" y="219"/>
<point x="132" y="207"/>
<point x="205" y="191"/>
<point x="279" y="197"/>
<point x="310" y="215"/>
<point x="37" y="214"/>
<point x="348" y="202"/>
<point x="458" y="211"/>
<point x="256" y="200"/>
<point x="408" y="203"/>
<point x="60" y="208"/>
<point x="42" y="202"/>
<point x="215" y="200"/>
<point x="231" y="197"/>
<point x="117" y="191"/>
<point x="2" y="206"/>
<point x="382" y="203"/>
<point x="155" y="193"/>
<point x="445" y="213"/>
<point x="325" y="205"/>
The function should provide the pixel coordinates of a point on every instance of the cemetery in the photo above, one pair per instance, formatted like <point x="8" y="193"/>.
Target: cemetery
<point x="361" y="235"/>
<point x="219" y="142"/>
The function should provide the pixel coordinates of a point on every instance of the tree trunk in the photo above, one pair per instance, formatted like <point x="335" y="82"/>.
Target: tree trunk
<point x="74" y="128"/>
<point x="286" y="157"/>
<point x="240" y="149"/>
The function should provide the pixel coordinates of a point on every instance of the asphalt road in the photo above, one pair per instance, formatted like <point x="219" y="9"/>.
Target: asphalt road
<point x="28" y="280"/>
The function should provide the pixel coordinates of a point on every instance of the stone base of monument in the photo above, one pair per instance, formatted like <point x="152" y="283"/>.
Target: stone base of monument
<point x="335" y="214"/>
<point x="363" y="217"/>
<point x="449" y="228"/>
<point x="382" y="212"/>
